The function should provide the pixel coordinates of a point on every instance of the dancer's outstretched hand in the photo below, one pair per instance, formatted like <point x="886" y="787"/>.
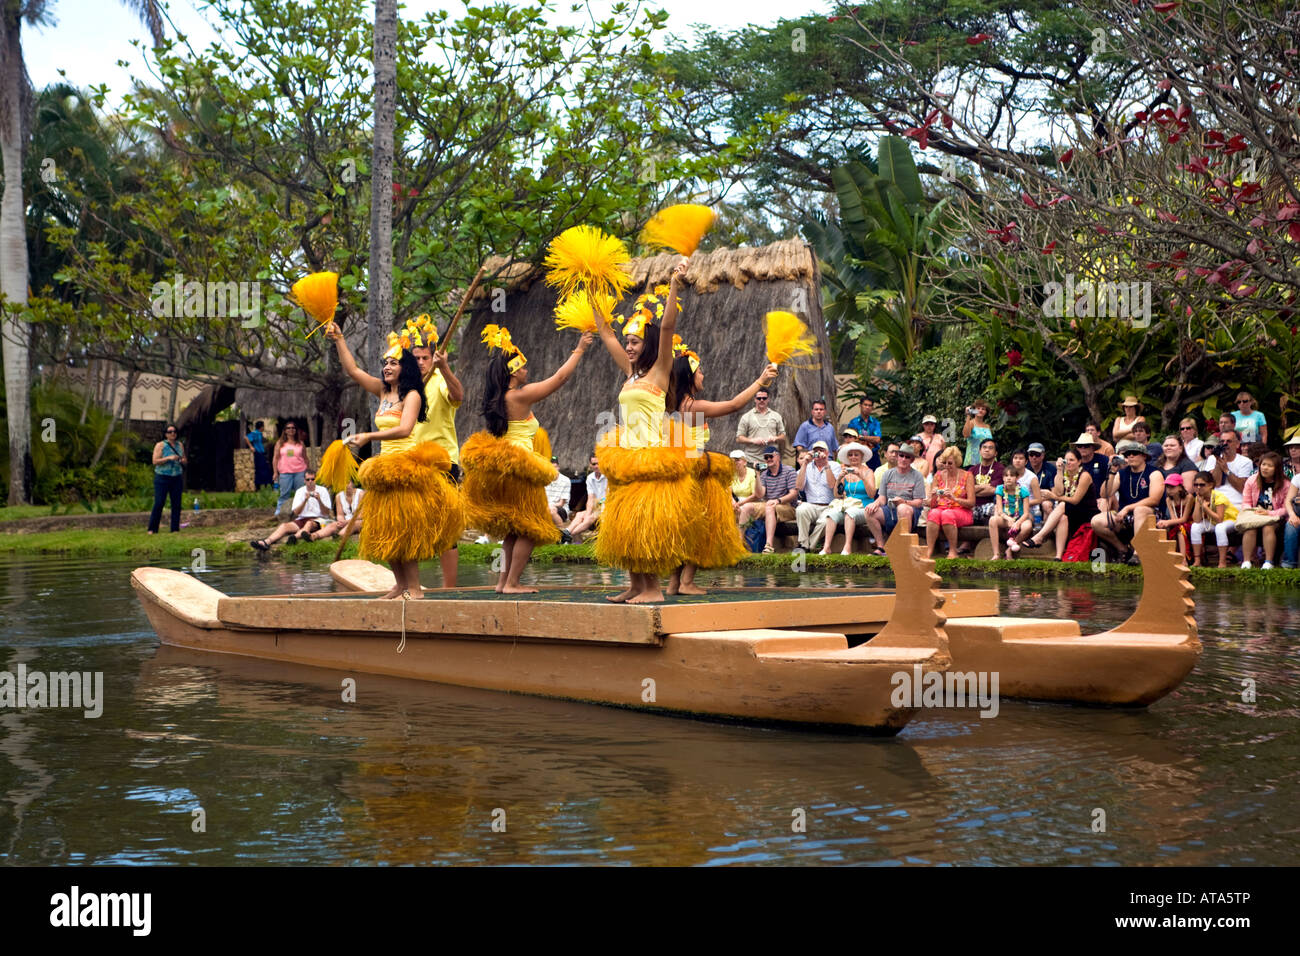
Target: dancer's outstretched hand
<point x="769" y="374"/>
<point x="585" y="340"/>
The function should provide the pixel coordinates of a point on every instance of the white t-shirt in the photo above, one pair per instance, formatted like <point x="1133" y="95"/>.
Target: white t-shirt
<point x="559" y="490"/>
<point x="1193" y="448"/>
<point x="346" y="508"/>
<point x="312" y="508"/>
<point x="597" y="485"/>
<point x="1242" y="467"/>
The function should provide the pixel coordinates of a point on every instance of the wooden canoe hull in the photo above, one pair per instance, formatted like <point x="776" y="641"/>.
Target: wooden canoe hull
<point x="764" y="675"/>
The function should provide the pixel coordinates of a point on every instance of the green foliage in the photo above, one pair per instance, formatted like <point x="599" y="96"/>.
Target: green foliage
<point x="941" y="381"/>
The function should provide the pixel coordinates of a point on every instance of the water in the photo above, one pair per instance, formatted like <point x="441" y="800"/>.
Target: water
<point x="285" y="772"/>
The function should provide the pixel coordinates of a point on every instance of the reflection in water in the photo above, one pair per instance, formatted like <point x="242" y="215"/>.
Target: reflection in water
<point x="287" y="772"/>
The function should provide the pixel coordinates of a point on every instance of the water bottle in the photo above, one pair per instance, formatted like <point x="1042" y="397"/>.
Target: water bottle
<point x="196" y="504"/>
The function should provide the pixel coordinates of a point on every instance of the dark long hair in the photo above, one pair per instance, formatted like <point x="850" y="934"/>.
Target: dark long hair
<point x="494" y="395"/>
<point x="409" y="379"/>
<point x="681" y="383"/>
<point x="1279" y="479"/>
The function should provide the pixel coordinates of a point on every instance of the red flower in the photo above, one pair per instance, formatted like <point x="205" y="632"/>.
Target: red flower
<point x="978" y="38"/>
<point x="1014" y="357"/>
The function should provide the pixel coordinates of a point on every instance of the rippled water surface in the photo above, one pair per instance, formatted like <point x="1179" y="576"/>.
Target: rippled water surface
<point x="286" y="772"/>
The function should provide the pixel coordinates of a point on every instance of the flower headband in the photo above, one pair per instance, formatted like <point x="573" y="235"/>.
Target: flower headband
<point x="416" y="333"/>
<point x="679" y="348"/>
<point x="648" y="310"/>
<point x="498" y="337"/>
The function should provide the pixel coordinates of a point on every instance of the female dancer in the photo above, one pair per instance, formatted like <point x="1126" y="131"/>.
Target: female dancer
<point x="413" y="510"/>
<point x="505" y="480"/>
<point x="648" y="514"/>
<point x="715" y="540"/>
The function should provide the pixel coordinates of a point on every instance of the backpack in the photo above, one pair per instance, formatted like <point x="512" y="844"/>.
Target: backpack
<point x="756" y="536"/>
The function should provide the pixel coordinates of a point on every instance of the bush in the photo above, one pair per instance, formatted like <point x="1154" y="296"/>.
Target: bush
<point x="941" y="381"/>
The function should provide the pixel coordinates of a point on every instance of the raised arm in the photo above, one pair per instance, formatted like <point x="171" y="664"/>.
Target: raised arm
<point x="455" y="390"/>
<point x="664" y="362"/>
<point x="524" y="397"/>
<point x="739" y="401"/>
<point x="612" y="344"/>
<point x="371" y="384"/>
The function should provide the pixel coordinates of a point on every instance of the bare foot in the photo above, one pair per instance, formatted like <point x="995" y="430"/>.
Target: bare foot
<point x="622" y="596"/>
<point x="647" y="597"/>
<point x="520" y="589"/>
<point x="691" y="589"/>
<point x="393" y="592"/>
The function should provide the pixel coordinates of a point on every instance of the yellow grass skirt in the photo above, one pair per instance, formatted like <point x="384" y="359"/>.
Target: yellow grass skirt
<point x="649" y="511"/>
<point x="412" y="510"/>
<point x="505" y="489"/>
<point x="715" y="540"/>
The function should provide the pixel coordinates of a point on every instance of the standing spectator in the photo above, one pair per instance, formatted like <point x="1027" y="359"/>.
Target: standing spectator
<point x="1263" y="506"/>
<point x="1077" y="499"/>
<point x="976" y="430"/>
<point x="1291" y="467"/>
<point x="1291" y="532"/>
<point x="288" y="464"/>
<point x="891" y="461"/>
<point x="776" y="485"/>
<point x="1044" y="473"/>
<point x="818" y="476"/>
<point x="988" y="475"/>
<point x="1213" y="512"/>
<point x="261" y="467"/>
<point x="597" y="487"/>
<point x="951" y="499"/>
<point x="852" y="494"/>
<point x="815" y="429"/>
<point x="1131" y="414"/>
<point x="1103" y="447"/>
<point x="899" y="494"/>
<point x="1010" y="510"/>
<point x="758" y="428"/>
<point x="1189" y="433"/>
<point x="1138" y="491"/>
<point x="1249" y="421"/>
<point x="310" y="510"/>
<point x="868" y="428"/>
<point x="1173" y="460"/>
<point x="921" y="464"/>
<point x="932" y="443"/>
<point x="1177" y="523"/>
<point x="1142" y="433"/>
<point x="1232" y="469"/>
<point x="1226" y="424"/>
<point x="345" y="506"/>
<point x="168" y="459"/>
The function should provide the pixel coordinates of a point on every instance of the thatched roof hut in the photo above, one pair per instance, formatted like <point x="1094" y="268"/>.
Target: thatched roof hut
<point x="727" y="293"/>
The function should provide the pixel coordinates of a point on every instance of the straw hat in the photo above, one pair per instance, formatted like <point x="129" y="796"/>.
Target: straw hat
<point x="1131" y="400"/>
<point x="1086" y="439"/>
<point x="843" y="454"/>
<point x="1293" y="440"/>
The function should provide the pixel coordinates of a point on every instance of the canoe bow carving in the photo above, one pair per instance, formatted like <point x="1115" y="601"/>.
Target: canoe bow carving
<point x="1166" y="605"/>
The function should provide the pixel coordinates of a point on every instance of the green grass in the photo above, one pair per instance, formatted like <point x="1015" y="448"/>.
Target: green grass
<point x="265" y="498"/>
<point x="135" y="543"/>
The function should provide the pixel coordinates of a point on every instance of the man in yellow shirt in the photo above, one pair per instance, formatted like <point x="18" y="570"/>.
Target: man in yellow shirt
<point x="443" y="394"/>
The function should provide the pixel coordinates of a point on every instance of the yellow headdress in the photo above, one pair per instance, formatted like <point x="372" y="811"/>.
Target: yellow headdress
<point x="648" y="310"/>
<point x="398" y="342"/>
<point x="498" y="337"/>
<point x="680" y="348"/>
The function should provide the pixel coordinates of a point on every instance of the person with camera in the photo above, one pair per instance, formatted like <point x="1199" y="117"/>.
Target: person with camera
<point x="168" y="459"/>
<point x="310" y="509"/>
<point x="817" y="478"/>
<point x="856" y="488"/>
<point x="976" y="431"/>
<point x="1137" y="492"/>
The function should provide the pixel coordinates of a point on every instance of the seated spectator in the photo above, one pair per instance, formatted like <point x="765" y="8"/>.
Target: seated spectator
<point x="1130" y="415"/>
<point x="900" y="493"/>
<point x="597" y="486"/>
<point x="818" y="476"/>
<point x="1044" y="473"/>
<point x="952" y="496"/>
<point x="1094" y="463"/>
<point x="988" y="475"/>
<point x="1263" y="509"/>
<point x="1248" y="421"/>
<point x="891" y="461"/>
<point x="1208" y="455"/>
<point x="867" y="427"/>
<point x="1173" y="460"/>
<point x="1226" y="424"/>
<point x="310" y="509"/>
<point x="816" y="429"/>
<point x="1074" y="497"/>
<point x="776" y="488"/>
<point x="1188" y="433"/>
<point x="1103" y="446"/>
<point x="921" y="464"/>
<point x="856" y="488"/>
<point x="1232" y="469"/>
<point x="1010" y="510"/>
<point x="1142" y="433"/>
<point x="345" y="505"/>
<point x="1291" y="531"/>
<point x="1212" y="512"/>
<point x="744" y="480"/>
<point x="932" y="443"/>
<point x="1177" y="520"/>
<point x="1137" y="492"/>
<point x="557" y="495"/>
<point x="1291" y="467"/>
<point x="976" y="430"/>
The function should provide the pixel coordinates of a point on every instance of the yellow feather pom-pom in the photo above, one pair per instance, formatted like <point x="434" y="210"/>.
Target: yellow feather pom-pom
<point x="679" y="228"/>
<point x="318" y="294"/>
<point x="577" y="312"/>
<point x="337" y="467"/>
<point x="787" y="336"/>
<point x="586" y="257"/>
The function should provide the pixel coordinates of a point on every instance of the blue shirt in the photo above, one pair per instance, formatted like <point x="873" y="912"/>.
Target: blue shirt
<point x="870" y="427"/>
<point x="255" y="439"/>
<point x="809" y="433"/>
<point x="1249" y="425"/>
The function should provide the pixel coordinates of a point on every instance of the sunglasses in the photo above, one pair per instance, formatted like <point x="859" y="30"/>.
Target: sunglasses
<point x="760" y="398"/>
<point x="905" y="454"/>
<point x="1131" y="454"/>
<point x="1188" y="428"/>
<point x="1243" y="401"/>
<point x="768" y="457"/>
<point x="1035" y="454"/>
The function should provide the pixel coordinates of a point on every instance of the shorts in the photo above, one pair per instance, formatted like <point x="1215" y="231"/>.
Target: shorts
<point x="958" y="517"/>
<point x="303" y="522"/>
<point x="784" y="512"/>
<point x="982" y="513"/>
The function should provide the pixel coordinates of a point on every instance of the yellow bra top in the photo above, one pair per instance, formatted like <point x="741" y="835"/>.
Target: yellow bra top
<point x="521" y="432"/>
<point x="385" y="421"/>
<point x="642" y="408"/>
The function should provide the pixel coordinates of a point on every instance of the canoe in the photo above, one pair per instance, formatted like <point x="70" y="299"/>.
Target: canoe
<point x="1046" y="659"/>
<point x="782" y="658"/>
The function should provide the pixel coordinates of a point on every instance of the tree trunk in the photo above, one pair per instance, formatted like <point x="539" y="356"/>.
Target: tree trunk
<point x="13" y="261"/>
<point x="124" y="408"/>
<point x="379" y="289"/>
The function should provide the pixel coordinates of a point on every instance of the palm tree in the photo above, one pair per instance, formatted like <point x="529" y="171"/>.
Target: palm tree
<point x="379" y="294"/>
<point x="15" y="105"/>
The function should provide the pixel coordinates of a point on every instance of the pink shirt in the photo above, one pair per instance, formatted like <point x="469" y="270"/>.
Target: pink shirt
<point x="1250" y="496"/>
<point x="291" y="459"/>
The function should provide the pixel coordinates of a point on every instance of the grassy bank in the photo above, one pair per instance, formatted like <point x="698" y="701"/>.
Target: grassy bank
<point x="265" y="498"/>
<point x="135" y="543"/>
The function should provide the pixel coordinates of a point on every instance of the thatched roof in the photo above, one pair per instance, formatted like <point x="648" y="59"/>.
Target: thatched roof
<point x="728" y="292"/>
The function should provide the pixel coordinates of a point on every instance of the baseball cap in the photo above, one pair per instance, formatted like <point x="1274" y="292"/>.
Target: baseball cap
<point x="820" y="444"/>
<point x="929" y="418"/>
<point x="769" y="450"/>
<point x="846" y="430"/>
<point x="1036" y="446"/>
<point x="737" y="454"/>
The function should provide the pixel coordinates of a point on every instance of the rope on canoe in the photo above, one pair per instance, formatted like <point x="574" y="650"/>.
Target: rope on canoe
<point x="406" y="596"/>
